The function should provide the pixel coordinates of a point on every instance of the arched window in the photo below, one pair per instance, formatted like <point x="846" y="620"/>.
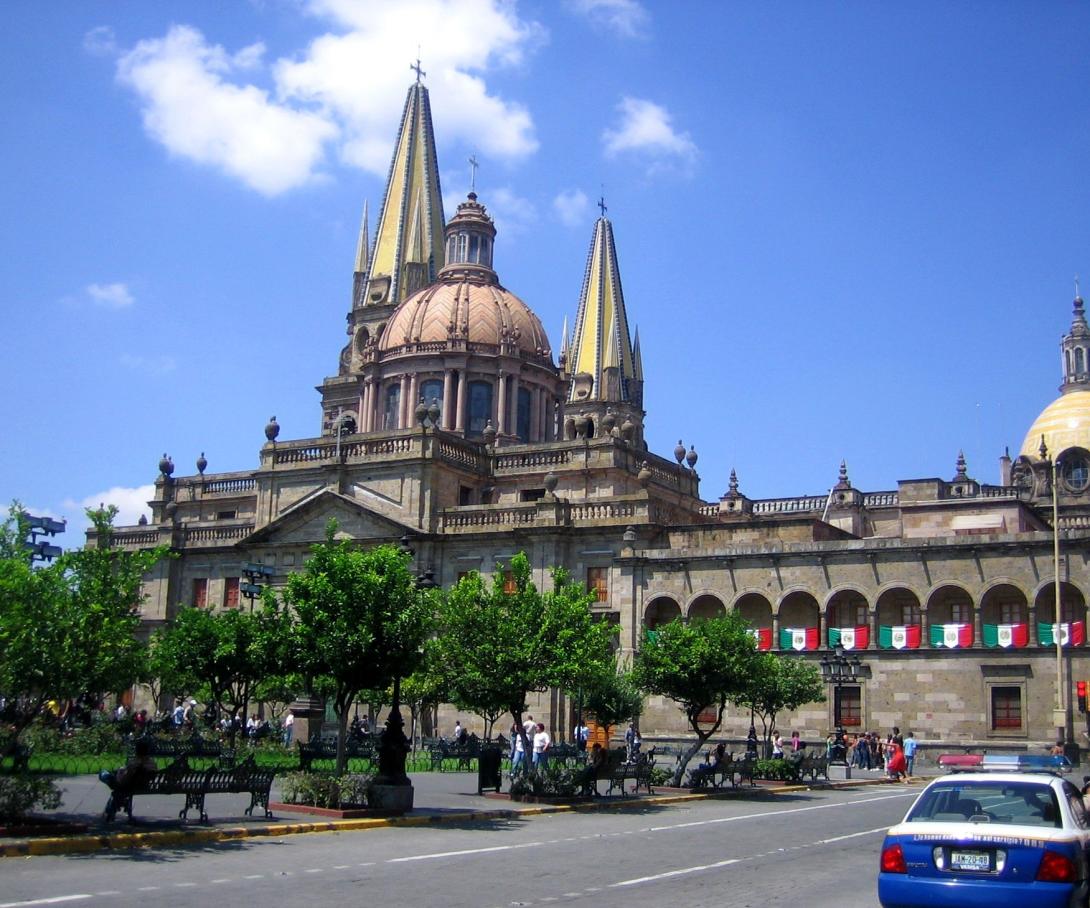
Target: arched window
<point x="480" y="406"/>
<point x="1079" y="361"/>
<point x="432" y="390"/>
<point x="391" y="413"/>
<point x="522" y="421"/>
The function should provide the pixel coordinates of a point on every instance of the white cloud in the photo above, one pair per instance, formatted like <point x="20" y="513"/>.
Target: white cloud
<point x="571" y="207"/>
<point x="512" y="213"/>
<point x="345" y="90"/>
<point x="195" y="113"/>
<point x="130" y="502"/>
<point x="100" y="41"/>
<point x="645" y="127"/>
<point x="110" y="296"/>
<point x="149" y="365"/>
<point x="628" y="18"/>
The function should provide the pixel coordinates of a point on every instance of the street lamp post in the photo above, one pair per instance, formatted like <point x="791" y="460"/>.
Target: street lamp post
<point x="1059" y="715"/>
<point x="257" y="575"/>
<point x="837" y="670"/>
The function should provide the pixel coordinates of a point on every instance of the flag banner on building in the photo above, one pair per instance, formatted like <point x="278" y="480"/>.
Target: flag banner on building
<point x="1071" y="634"/>
<point x="952" y="636"/>
<point x="763" y="636"/>
<point x="1006" y="635"/>
<point x="899" y="636"/>
<point x="799" y="638"/>
<point x="850" y="637"/>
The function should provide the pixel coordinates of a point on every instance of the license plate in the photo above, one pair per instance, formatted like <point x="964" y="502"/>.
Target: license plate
<point x="970" y="860"/>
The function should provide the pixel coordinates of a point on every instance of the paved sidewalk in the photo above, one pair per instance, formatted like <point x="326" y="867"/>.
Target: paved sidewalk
<point x="438" y="798"/>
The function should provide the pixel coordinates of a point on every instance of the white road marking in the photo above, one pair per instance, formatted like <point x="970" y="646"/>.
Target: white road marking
<point x="313" y="870"/>
<point x="53" y="901"/>
<point x="253" y="876"/>
<point x="184" y="885"/>
<point x="850" y="835"/>
<point x="672" y="873"/>
<point x="341" y="866"/>
<point x="456" y="854"/>
<point x="221" y="881"/>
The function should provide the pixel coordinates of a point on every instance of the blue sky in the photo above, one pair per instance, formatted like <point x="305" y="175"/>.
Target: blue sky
<point x="846" y="230"/>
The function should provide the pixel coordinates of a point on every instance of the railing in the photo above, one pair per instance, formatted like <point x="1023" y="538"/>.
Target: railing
<point x="790" y="505"/>
<point x="193" y="536"/>
<point x="350" y="450"/>
<point x="1000" y="491"/>
<point x="134" y="539"/>
<point x="881" y="500"/>
<point x="606" y="510"/>
<point x="708" y="510"/>
<point x="229" y="486"/>
<point x="1075" y="522"/>
<point x="488" y="516"/>
<point x="529" y="459"/>
<point x="462" y="455"/>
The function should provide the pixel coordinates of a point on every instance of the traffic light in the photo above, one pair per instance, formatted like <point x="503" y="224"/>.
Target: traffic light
<point x="1080" y="689"/>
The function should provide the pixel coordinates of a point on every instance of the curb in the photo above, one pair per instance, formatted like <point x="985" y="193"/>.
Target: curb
<point x="85" y="844"/>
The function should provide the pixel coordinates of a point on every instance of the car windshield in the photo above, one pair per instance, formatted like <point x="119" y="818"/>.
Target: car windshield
<point x="957" y="801"/>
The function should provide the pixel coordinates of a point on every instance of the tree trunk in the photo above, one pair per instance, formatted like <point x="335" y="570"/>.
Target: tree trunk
<point x="701" y="740"/>
<point x="342" y="737"/>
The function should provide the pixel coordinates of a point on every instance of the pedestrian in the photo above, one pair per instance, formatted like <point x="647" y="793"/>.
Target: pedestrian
<point x="542" y="743"/>
<point x="582" y="735"/>
<point x="530" y="725"/>
<point x="595" y="764"/>
<point x="751" y="742"/>
<point x="895" y="762"/>
<point x="458" y="732"/>
<point x="777" y="747"/>
<point x="518" y="750"/>
<point x="895" y="737"/>
<point x="289" y="728"/>
<point x="177" y="717"/>
<point x="796" y="742"/>
<point x="632" y="741"/>
<point x="910" y="754"/>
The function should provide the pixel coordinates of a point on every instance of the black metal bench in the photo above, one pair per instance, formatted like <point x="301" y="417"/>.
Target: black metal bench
<point x="322" y="748"/>
<point x="713" y="776"/>
<point x="182" y="746"/>
<point x="180" y="778"/>
<point x="617" y="770"/>
<point x="812" y="765"/>
<point x="465" y="753"/>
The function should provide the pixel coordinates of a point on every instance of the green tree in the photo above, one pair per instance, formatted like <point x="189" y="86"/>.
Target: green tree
<point x="359" y="622"/>
<point x="780" y="683"/>
<point x="69" y="628"/>
<point x="700" y="664"/>
<point x="498" y="647"/>
<point x="224" y="654"/>
<point x="612" y="697"/>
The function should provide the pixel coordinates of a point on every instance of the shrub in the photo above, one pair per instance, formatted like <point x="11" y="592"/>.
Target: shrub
<point x="320" y="789"/>
<point x="554" y="781"/>
<point x="99" y="738"/>
<point x="19" y="794"/>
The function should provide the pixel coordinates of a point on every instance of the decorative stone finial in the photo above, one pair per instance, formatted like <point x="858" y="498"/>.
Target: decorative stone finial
<point x="551" y="480"/>
<point x="628" y="429"/>
<point x="679" y="451"/>
<point x="582" y="425"/>
<point x="421" y="411"/>
<point x="166" y="465"/>
<point x="170" y="511"/>
<point x="644" y="476"/>
<point x="434" y="412"/>
<point x="272" y="429"/>
<point x="732" y="488"/>
<point x="489" y="433"/>
<point x="608" y="422"/>
<point x="202" y="462"/>
<point x="143" y="521"/>
<point x="692" y="457"/>
<point x="1042" y="450"/>
<point x="961" y="467"/>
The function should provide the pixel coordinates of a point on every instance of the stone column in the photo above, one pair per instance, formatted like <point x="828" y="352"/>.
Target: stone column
<point x="775" y="630"/>
<point x="448" y="380"/>
<point x="535" y="414"/>
<point x="501" y="411"/>
<point x="823" y="629"/>
<point x="513" y="405"/>
<point x="309" y="713"/>
<point x="405" y="404"/>
<point x="460" y="409"/>
<point x="364" y="421"/>
<point x="977" y="641"/>
<point x="414" y="399"/>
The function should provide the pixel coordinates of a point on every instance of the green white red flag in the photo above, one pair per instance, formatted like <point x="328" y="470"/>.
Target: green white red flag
<point x="952" y="636"/>
<point x="799" y="638"/>
<point x="1006" y="635"/>
<point x="1071" y="633"/>
<point x="899" y="636"/>
<point x="850" y="637"/>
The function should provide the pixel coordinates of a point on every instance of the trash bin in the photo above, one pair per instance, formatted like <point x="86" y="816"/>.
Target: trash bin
<point x="489" y="772"/>
<point x="1072" y="752"/>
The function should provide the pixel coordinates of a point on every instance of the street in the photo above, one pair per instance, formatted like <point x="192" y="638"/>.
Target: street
<point x="820" y="847"/>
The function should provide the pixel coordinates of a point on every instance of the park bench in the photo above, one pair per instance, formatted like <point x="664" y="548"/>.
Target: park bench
<point x="179" y="746"/>
<point x="566" y="753"/>
<point x="325" y="748"/>
<point x="812" y="765"/>
<point x="617" y="770"/>
<point x="714" y="776"/>
<point x="443" y="751"/>
<point x="180" y="778"/>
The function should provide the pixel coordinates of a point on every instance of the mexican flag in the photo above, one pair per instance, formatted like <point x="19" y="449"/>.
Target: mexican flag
<point x="850" y="637"/>
<point x="899" y="636"/>
<point x="799" y="638"/>
<point x="1071" y="634"/>
<point x="952" y="636"/>
<point x="763" y="636"/>
<point x="1006" y="635"/>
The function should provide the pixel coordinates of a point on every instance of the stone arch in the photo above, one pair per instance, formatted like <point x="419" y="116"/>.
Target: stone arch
<point x="1004" y="603"/>
<point x="847" y="608"/>
<point x="1072" y="602"/>
<point x="950" y="603"/>
<point x="899" y="605"/>
<point x="660" y="610"/>
<point x="754" y="608"/>
<point x="706" y="605"/>
<point x="798" y="608"/>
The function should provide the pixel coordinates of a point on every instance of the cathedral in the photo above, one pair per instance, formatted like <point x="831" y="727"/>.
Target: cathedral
<point x="450" y="420"/>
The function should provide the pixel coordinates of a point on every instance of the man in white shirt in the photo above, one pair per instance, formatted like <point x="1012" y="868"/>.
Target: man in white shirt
<point x="541" y="746"/>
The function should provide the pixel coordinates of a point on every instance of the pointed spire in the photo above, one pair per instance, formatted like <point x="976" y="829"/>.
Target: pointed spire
<point x="962" y="467"/>
<point x="842" y="481"/>
<point x="602" y="340"/>
<point x="733" y="483"/>
<point x="1075" y="349"/>
<point x="408" y="248"/>
<point x="637" y="356"/>
<point x="363" y="243"/>
<point x="564" y="342"/>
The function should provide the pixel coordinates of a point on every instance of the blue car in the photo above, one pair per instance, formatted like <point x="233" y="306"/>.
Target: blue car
<point x="1012" y="833"/>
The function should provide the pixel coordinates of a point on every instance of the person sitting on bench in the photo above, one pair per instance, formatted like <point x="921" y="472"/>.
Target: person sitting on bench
<point x="140" y="766"/>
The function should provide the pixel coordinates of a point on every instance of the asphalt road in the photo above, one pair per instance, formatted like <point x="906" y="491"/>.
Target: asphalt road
<point x="818" y="848"/>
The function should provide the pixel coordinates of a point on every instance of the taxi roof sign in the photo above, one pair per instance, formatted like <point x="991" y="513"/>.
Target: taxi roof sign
<point x="1053" y="763"/>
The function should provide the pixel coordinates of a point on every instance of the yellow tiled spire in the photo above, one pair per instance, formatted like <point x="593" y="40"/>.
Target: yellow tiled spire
<point x="602" y="343"/>
<point x="408" y="250"/>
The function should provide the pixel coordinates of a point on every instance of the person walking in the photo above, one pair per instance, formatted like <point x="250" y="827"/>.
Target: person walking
<point x="518" y="750"/>
<point x="910" y="754"/>
<point x="777" y="747"/>
<point x="582" y="735"/>
<point x="542" y="743"/>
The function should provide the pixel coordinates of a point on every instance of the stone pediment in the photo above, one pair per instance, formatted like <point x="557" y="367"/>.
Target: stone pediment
<point x="305" y="522"/>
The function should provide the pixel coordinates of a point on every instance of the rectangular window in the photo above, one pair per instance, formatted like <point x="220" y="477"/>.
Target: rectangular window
<point x="200" y="593"/>
<point x="1010" y="613"/>
<point x="523" y="407"/>
<point x="1006" y="708"/>
<point x="230" y="592"/>
<point x="531" y="494"/>
<point x="598" y="582"/>
<point x="226" y="515"/>
<point x="465" y="496"/>
<point x="850" y="706"/>
<point x="961" y="613"/>
<point x="509" y="585"/>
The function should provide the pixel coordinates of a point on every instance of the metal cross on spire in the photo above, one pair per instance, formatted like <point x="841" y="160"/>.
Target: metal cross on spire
<point x="602" y="205"/>
<point x="473" y="165"/>
<point x="1077" y="287"/>
<point x="415" y="67"/>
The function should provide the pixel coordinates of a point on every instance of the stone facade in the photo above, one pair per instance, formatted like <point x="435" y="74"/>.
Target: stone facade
<point x="562" y="473"/>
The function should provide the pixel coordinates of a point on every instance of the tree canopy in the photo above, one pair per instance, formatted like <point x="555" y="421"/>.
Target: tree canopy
<point x="69" y="628"/>
<point x="499" y="642"/>
<point x="702" y="665"/>
<point x="780" y="683"/>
